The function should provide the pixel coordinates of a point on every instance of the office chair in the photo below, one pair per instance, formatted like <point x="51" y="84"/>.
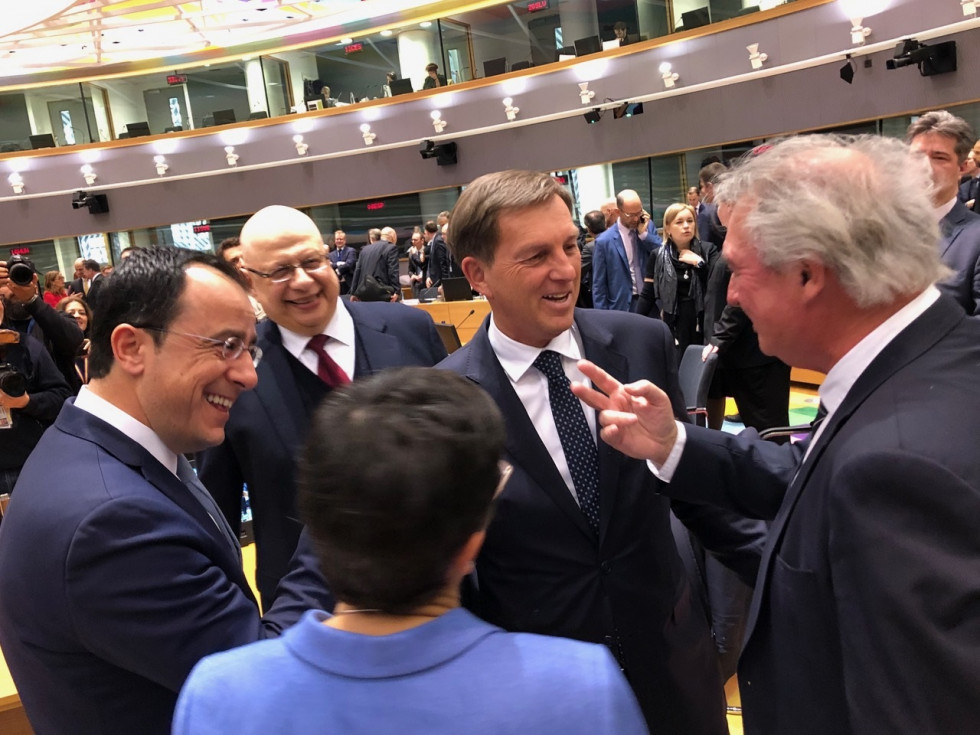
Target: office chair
<point x="695" y="378"/>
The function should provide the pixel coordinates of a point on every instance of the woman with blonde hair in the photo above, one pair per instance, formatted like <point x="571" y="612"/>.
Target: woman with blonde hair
<point x="676" y="278"/>
<point x="54" y="287"/>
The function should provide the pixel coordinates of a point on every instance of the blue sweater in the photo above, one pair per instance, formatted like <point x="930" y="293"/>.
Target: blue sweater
<point x="454" y="674"/>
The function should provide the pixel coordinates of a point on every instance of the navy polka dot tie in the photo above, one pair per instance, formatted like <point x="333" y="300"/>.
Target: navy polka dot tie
<point x="576" y="437"/>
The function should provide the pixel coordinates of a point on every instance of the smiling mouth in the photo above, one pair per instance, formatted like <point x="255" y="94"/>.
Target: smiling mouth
<point x="219" y="401"/>
<point x="557" y="298"/>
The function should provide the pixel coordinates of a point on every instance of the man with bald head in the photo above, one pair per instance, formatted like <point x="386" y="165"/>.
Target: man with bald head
<point x="379" y="259"/>
<point x="312" y="341"/>
<point x="621" y="254"/>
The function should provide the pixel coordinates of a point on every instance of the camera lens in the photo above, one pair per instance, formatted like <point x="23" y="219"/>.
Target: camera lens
<point x="21" y="274"/>
<point x="12" y="382"/>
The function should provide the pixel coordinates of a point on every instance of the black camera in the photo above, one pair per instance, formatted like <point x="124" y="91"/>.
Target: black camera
<point x="12" y="381"/>
<point x="21" y="270"/>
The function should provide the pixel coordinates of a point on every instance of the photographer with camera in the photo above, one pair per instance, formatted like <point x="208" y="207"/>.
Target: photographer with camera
<point x="28" y="313"/>
<point x="31" y="393"/>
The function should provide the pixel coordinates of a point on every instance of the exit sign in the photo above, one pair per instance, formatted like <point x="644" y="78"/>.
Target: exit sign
<point x="198" y="229"/>
<point x="353" y="48"/>
<point x="176" y="79"/>
<point x="537" y="5"/>
<point x="374" y="206"/>
<point x="20" y="251"/>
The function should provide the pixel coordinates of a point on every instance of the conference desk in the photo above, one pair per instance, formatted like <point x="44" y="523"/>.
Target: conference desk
<point x="13" y="721"/>
<point x="466" y="316"/>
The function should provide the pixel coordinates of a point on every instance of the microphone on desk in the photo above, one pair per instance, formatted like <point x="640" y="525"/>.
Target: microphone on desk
<point x="472" y="312"/>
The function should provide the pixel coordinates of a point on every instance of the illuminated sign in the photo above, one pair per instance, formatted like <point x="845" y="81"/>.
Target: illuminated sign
<point x="537" y="5"/>
<point x="176" y="79"/>
<point x="353" y="48"/>
<point x="20" y="251"/>
<point x="560" y="178"/>
<point x="198" y="229"/>
<point x="374" y="206"/>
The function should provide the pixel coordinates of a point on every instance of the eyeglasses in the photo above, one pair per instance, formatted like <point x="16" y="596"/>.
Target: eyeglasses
<point x="284" y="273"/>
<point x="231" y="347"/>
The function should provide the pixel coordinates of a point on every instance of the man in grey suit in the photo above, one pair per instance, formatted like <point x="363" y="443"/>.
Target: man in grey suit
<point x="580" y="545"/>
<point x="865" y="617"/>
<point x="946" y="141"/>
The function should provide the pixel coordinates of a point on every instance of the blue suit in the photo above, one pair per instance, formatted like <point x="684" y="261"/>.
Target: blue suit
<point x="344" y="262"/>
<point x="959" y="248"/>
<point x="115" y="582"/>
<point x="267" y="427"/>
<point x="542" y="570"/>
<point x="612" y="282"/>
<point x="864" y="618"/>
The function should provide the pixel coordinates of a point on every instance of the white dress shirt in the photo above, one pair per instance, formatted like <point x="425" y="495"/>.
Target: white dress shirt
<point x="340" y="346"/>
<point x="531" y="385"/>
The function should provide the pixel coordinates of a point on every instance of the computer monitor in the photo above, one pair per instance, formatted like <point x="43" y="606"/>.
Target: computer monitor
<point x="137" y="129"/>
<point x="695" y="18"/>
<point x="587" y="45"/>
<point x="173" y="129"/>
<point x="44" y="140"/>
<point x="400" y="86"/>
<point x="224" y="117"/>
<point x="456" y="289"/>
<point x="565" y="53"/>
<point x="258" y="115"/>
<point x="493" y="67"/>
<point x="518" y="65"/>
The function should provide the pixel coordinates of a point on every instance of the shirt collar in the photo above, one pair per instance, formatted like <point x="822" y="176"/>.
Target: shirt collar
<point x="943" y="209"/>
<point x="340" y="327"/>
<point x="139" y="432"/>
<point x="516" y="358"/>
<point x="624" y="231"/>
<point x="849" y="368"/>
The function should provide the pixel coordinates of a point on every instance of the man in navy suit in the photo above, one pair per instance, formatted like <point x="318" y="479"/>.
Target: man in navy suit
<point x="865" y="615"/>
<point x="946" y="141"/>
<point x="621" y="254"/>
<point x="344" y="261"/>
<point x="565" y="555"/>
<point x="117" y="571"/>
<point x="285" y="254"/>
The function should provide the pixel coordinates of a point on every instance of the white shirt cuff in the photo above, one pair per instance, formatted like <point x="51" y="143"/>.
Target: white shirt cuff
<point x="667" y="469"/>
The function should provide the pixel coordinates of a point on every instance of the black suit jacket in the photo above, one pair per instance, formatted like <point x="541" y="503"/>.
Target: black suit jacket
<point x="379" y="259"/>
<point x="442" y="265"/>
<point x="541" y="569"/>
<point x="959" y="248"/>
<point x="344" y="262"/>
<point x="267" y="427"/>
<point x="92" y="297"/>
<point x="865" y="616"/>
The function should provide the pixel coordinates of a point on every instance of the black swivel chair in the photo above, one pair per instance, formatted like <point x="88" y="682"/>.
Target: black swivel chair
<point x="695" y="378"/>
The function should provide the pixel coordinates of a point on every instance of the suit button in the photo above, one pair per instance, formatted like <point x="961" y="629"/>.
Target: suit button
<point x="605" y="567"/>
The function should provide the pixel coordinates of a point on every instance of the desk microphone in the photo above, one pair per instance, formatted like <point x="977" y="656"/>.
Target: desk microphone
<point x="472" y="312"/>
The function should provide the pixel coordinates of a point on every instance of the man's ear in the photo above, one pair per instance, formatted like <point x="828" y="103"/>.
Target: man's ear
<point x="813" y="277"/>
<point x="129" y="348"/>
<point x="475" y="273"/>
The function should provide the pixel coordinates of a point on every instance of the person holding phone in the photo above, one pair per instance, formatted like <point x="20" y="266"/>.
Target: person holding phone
<point x="621" y="253"/>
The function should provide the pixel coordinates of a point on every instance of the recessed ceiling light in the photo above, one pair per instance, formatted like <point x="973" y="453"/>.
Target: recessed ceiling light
<point x="425" y="24"/>
<point x="386" y="32"/>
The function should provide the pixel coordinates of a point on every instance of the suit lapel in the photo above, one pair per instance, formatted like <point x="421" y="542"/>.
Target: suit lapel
<point x="914" y="340"/>
<point x="952" y="226"/>
<point x="375" y="349"/>
<point x="276" y="389"/>
<point x="523" y="444"/>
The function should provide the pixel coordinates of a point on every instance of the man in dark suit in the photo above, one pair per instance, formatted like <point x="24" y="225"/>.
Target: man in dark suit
<point x="311" y="341"/>
<point x="580" y="545"/>
<point x="946" y="141"/>
<point x="92" y="274"/>
<point x="442" y="265"/>
<point x="864" y="618"/>
<point x="379" y="259"/>
<point x="77" y="284"/>
<point x="344" y="261"/>
<point x="621" y="254"/>
<point x="138" y="576"/>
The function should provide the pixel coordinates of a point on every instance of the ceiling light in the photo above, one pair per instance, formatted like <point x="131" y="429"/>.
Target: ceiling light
<point x="230" y="155"/>
<point x="16" y="182"/>
<point x="667" y="76"/>
<point x="585" y="94"/>
<point x="437" y="122"/>
<point x="386" y="32"/>
<point x="858" y="32"/>
<point x="367" y="134"/>
<point x="301" y="147"/>
<point x="89" y="173"/>
<point x="509" y="109"/>
<point x="969" y="7"/>
<point x="346" y="41"/>
<point x="425" y="24"/>
<point x="755" y="58"/>
<point x="161" y="164"/>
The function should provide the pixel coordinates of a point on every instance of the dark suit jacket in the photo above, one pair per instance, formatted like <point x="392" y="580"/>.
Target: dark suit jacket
<point x="541" y="569"/>
<point x="441" y="263"/>
<point x="969" y="189"/>
<point x="865" y="614"/>
<point x="344" y="262"/>
<point x="612" y="283"/>
<point x="379" y="259"/>
<point x="267" y="427"/>
<point x="959" y="248"/>
<point x="114" y="582"/>
<point x="92" y="297"/>
<point x="77" y="286"/>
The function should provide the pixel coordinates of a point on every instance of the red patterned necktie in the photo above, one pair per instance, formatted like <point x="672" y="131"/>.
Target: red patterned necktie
<point x="326" y="369"/>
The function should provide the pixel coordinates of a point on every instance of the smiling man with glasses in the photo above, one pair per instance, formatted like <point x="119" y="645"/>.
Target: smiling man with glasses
<point x="311" y="342"/>
<point x="118" y="571"/>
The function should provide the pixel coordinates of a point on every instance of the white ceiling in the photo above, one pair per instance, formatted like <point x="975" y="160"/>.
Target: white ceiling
<point x="53" y="35"/>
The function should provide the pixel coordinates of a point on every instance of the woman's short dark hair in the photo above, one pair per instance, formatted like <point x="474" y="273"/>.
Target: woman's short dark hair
<point x="399" y="470"/>
<point x="144" y="291"/>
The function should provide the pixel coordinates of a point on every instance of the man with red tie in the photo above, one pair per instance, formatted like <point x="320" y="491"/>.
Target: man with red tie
<point x="312" y="341"/>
